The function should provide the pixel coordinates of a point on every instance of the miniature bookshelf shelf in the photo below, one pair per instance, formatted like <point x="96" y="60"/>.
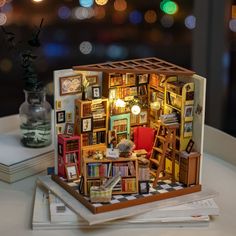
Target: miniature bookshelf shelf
<point x="97" y="171"/>
<point x="179" y="98"/>
<point x="96" y="113"/>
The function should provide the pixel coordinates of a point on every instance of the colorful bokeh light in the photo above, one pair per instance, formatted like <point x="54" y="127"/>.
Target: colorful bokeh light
<point x="167" y="21"/>
<point x="3" y="18"/>
<point x="120" y="5"/>
<point x="64" y="12"/>
<point x="135" y="17"/>
<point x="86" y="47"/>
<point x="190" y="22"/>
<point x="2" y="3"/>
<point x="101" y="2"/>
<point x="150" y="16"/>
<point x="232" y="25"/>
<point x="169" y="7"/>
<point x="86" y="3"/>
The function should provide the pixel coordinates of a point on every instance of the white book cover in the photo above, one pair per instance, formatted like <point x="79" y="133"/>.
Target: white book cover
<point x="147" y="208"/>
<point x="42" y="213"/>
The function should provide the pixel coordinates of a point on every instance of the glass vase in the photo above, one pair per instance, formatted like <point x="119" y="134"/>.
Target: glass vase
<point x="35" y="120"/>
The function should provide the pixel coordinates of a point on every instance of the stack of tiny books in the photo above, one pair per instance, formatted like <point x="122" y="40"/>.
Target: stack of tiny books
<point x="169" y="119"/>
<point x="55" y="208"/>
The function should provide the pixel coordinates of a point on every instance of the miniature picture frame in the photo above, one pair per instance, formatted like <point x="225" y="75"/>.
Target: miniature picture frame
<point x="92" y="79"/>
<point x="71" y="84"/>
<point x="96" y="92"/>
<point x="142" y="78"/>
<point x="69" y="129"/>
<point x="188" y="129"/>
<point x="188" y="111"/>
<point x="86" y="124"/>
<point x="60" y="117"/>
<point x="143" y="117"/>
<point x="189" y="146"/>
<point x="112" y="138"/>
<point x="71" y="172"/>
<point x="143" y="186"/>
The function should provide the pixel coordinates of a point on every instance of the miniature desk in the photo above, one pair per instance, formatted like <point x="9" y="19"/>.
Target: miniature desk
<point x="16" y="208"/>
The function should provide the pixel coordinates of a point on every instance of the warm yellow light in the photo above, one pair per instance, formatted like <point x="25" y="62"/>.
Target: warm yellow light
<point x="120" y="103"/>
<point x="135" y="109"/>
<point x="101" y="2"/>
<point x="37" y="0"/>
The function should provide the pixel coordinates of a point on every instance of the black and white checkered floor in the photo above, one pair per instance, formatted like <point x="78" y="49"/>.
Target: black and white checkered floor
<point x="162" y="187"/>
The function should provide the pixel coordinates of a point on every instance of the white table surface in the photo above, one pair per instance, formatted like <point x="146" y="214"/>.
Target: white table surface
<point x="16" y="202"/>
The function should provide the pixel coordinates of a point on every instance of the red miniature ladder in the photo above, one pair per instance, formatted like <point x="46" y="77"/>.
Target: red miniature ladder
<point x="164" y="146"/>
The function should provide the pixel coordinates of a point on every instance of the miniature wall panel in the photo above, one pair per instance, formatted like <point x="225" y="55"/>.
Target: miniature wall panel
<point x="67" y="88"/>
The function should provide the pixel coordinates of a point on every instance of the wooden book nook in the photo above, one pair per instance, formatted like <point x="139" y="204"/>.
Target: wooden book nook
<point x="155" y="104"/>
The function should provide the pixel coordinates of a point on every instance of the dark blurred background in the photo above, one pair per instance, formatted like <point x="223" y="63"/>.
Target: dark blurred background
<point x="198" y="35"/>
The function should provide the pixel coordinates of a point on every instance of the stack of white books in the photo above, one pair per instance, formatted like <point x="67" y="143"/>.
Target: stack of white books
<point x="18" y="162"/>
<point x="54" y="208"/>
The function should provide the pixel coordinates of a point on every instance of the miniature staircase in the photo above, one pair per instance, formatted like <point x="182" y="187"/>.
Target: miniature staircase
<point x="164" y="145"/>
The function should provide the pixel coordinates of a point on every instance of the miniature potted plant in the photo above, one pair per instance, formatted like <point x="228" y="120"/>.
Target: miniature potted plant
<point x="125" y="147"/>
<point x="35" y="112"/>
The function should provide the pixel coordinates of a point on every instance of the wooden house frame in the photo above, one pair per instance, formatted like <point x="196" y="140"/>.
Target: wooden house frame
<point x="137" y="66"/>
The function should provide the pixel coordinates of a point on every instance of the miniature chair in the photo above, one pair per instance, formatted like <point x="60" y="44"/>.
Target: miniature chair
<point x="144" y="139"/>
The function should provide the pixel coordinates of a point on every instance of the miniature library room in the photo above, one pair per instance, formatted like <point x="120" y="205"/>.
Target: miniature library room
<point x="128" y="132"/>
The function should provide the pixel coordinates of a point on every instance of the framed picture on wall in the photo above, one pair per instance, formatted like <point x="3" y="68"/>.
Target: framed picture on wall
<point x="96" y="92"/>
<point x="92" y="79"/>
<point x="71" y="84"/>
<point x="142" y="78"/>
<point x="188" y="129"/>
<point x="69" y="129"/>
<point x="143" y="117"/>
<point x="86" y="124"/>
<point x="61" y="117"/>
<point x="188" y="111"/>
<point x="71" y="172"/>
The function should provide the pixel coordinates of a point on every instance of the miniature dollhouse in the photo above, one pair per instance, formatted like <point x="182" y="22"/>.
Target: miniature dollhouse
<point x="156" y="105"/>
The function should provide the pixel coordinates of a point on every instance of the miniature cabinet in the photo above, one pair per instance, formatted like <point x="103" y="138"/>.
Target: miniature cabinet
<point x="95" y="172"/>
<point x="91" y="122"/>
<point x="121" y="123"/>
<point x="189" y="168"/>
<point x="68" y="153"/>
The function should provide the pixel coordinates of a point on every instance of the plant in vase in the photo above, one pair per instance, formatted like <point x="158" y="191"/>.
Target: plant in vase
<point x="35" y="112"/>
<point x="85" y="85"/>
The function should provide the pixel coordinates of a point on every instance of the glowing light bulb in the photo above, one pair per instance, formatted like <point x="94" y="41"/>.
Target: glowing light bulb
<point x="120" y="103"/>
<point x="135" y="109"/>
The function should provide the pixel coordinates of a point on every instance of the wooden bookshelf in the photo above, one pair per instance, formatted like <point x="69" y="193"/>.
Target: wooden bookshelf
<point x="96" y="113"/>
<point x="95" y="172"/>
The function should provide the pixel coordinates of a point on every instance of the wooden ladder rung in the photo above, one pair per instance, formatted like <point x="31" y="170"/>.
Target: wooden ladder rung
<point x="154" y="161"/>
<point x="158" y="149"/>
<point x="161" y="138"/>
